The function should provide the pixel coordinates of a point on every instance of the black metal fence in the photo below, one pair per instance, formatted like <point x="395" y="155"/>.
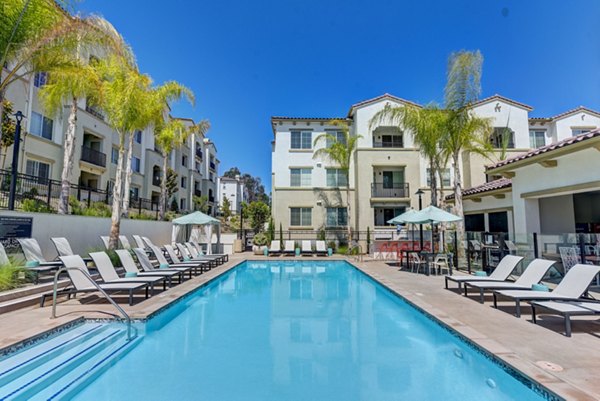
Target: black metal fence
<point x="45" y="193"/>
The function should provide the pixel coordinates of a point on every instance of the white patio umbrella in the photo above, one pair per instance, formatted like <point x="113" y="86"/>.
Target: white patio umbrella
<point x="431" y="215"/>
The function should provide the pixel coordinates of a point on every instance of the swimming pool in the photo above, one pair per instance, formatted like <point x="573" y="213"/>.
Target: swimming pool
<point x="302" y="330"/>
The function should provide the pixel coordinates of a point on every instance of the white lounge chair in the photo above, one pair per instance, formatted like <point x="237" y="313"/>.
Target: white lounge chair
<point x="223" y="256"/>
<point x="566" y="309"/>
<point x="186" y="253"/>
<point x="138" y="241"/>
<point x="130" y="266"/>
<point x="307" y="248"/>
<point x="501" y="272"/>
<point x="195" y="254"/>
<point x="63" y="247"/>
<point x="572" y="287"/>
<point x="196" y="265"/>
<point x="321" y="248"/>
<point x="275" y="248"/>
<point x="81" y="283"/>
<point x="147" y="265"/>
<point x="109" y="273"/>
<point x="290" y="247"/>
<point x="533" y="274"/>
<point x="3" y="256"/>
<point x="105" y="240"/>
<point x="124" y="242"/>
<point x="33" y="252"/>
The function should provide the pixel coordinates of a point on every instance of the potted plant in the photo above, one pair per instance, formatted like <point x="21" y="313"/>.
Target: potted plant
<point x="260" y="242"/>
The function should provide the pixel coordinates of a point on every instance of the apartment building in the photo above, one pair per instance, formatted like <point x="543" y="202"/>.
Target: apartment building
<point x="234" y="190"/>
<point x="387" y="170"/>
<point x="96" y="150"/>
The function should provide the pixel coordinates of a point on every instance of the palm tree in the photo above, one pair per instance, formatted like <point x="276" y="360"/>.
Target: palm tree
<point x="122" y="87"/>
<point x="427" y="126"/>
<point x="340" y="153"/>
<point x="465" y="131"/>
<point x="77" y="79"/>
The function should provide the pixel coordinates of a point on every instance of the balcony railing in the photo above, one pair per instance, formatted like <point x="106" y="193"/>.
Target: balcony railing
<point x="379" y="190"/>
<point x="93" y="156"/>
<point x="387" y="144"/>
<point x="96" y="112"/>
<point x="212" y="165"/>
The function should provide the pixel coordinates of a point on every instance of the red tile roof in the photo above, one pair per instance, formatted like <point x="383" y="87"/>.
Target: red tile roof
<point x="378" y="98"/>
<point x="548" y="148"/>
<point x="566" y="113"/>
<point x="487" y="187"/>
<point x="504" y="99"/>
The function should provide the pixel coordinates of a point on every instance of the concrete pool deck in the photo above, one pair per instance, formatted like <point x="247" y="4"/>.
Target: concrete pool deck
<point x="529" y="348"/>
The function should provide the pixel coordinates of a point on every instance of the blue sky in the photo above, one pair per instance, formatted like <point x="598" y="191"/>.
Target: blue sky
<point x="249" y="60"/>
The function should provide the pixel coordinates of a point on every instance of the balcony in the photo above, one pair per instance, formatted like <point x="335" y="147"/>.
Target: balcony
<point x="156" y="181"/>
<point x="96" y="112"/>
<point x="197" y="192"/>
<point x="93" y="156"/>
<point x="213" y="166"/>
<point x="199" y="153"/>
<point x="388" y="144"/>
<point x="379" y="190"/>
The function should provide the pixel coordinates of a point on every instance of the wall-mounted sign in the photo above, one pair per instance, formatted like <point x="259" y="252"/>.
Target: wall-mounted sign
<point x="13" y="227"/>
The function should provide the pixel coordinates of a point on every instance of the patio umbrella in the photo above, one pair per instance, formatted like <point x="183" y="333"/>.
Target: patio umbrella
<point x="431" y="215"/>
<point x="400" y="219"/>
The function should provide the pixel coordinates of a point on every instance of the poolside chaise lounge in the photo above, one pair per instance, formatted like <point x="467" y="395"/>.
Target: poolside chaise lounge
<point x="321" y="248"/>
<point x="200" y="250"/>
<point x="566" y="309"/>
<point x="105" y="240"/>
<point x="130" y="266"/>
<point x="572" y="287"/>
<point x="33" y="253"/>
<point x="124" y="242"/>
<point x="196" y="265"/>
<point x="109" y="273"/>
<point x="500" y="273"/>
<point x="81" y="283"/>
<point x="533" y="274"/>
<point x="147" y="265"/>
<point x="307" y="248"/>
<point x="195" y="254"/>
<point x="290" y="247"/>
<point x="275" y="248"/>
<point x="63" y="247"/>
<point x="176" y="261"/>
<point x="186" y="254"/>
<point x="138" y="241"/>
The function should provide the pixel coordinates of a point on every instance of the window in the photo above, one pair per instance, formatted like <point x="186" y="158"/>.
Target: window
<point x="503" y="137"/>
<point x="392" y="141"/>
<point x="184" y="161"/>
<point x="300" y="216"/>
<point x="301" y="140"/>
<point x="41" y="125"/>
<point x="181" y="204"/>
<point x="446" y="181"/>
<point x="40" y="79"/>
<point x="579" y="131"/>
<point x="300" y="177"/>
<point x="340" y="136"/>
<point x="135" y="164"/>
<point x="337" y="217"/>
<point x="37" y="169"/>
<point x="114" y="155"/>
<point x="537" y="139"/>
<point x="336" y="178"/>
<point x="134" y="193"/>
<point x="138" y="136"/>
<point x="183" y="182"/>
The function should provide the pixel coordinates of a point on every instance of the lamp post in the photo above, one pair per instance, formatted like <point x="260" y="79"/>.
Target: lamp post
<point x="15" y="162"/>
<point x="420" y="194"/>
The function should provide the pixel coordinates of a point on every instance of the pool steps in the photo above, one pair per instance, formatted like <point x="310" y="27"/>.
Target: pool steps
<point x="57" y="368"/>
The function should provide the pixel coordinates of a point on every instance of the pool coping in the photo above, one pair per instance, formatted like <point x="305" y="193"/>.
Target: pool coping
<point x="507" y="359"/>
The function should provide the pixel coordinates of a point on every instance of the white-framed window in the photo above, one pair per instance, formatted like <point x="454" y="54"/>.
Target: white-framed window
<point x="135" y="164"/>
<point x="184" y="160"/>
<point x="37" y="169"/>
<point x="340" y="136"/>
<point x="336" y="177"/>
<point x="392" y="141"/>
<point x="137" y="136"/>
<point x="446" y="178"/>
<point x="300" y="177"/>
<point x="134" y="193"/>
<point x="301" y="140"/>
<point x="337" y="217"/>
<point x="41" y="125"/>
<point x="40" y="79"/>
<point x="537" y="138"/>
<point x="114" y="155"/>
<point x="300" y="216"/>
<point x="579" y="131"/>
<point x="183" y="182"/>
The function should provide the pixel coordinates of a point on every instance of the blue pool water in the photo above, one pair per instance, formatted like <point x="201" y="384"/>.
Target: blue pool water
<point x="300" y="331"/>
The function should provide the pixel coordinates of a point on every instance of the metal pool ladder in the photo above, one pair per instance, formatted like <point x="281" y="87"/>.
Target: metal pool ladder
<point x="95" y="284"/>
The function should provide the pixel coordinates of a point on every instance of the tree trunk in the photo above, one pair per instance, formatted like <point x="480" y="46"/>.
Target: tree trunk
<point x="163" y="189"/>
<point x="115" y="227"/>
<point x="441" y="201"/>
<point x="348" y="215"/>
<point x="127" y="184"/>
<point x="68" y="153"/>
<point x="433" y="183"/>
<point x="1" y="111"/>
<point x="458" y="206"/>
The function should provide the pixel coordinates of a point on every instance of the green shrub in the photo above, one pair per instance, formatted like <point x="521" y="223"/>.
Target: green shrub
<point x="35" y="205"/>
<point x="142" y="216"/>
<point x="12" y="276"/>
<point x="342" y="249"/>
<point x="260" y="239"/>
